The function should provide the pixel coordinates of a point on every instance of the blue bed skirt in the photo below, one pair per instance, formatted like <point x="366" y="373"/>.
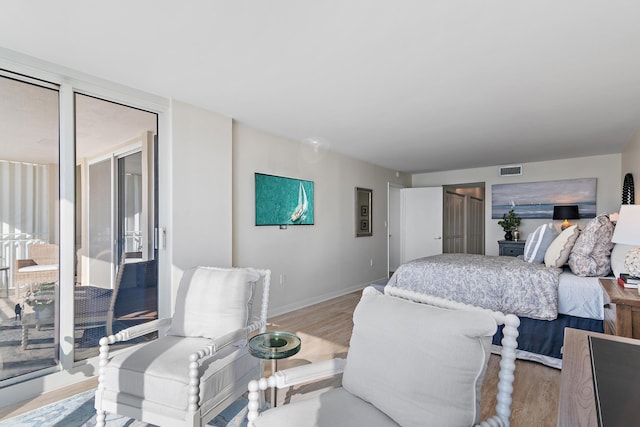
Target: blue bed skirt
<point x="546" y="337"/>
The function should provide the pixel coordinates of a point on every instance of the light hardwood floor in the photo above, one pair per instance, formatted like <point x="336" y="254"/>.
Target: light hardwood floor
<point x="325" y="330"/>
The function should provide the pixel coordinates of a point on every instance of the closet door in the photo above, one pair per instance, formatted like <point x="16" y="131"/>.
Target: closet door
<point x="475" y="226"/>
<point x="421" y="213"/>
<point x="454" y="223"/>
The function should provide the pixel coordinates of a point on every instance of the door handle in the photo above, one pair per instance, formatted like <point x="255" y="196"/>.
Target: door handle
<point x="437" y="238"/>
<point x="160" y="238"/>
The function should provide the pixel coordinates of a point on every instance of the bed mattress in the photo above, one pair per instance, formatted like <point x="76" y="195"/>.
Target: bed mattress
<point x="581" y="296"/>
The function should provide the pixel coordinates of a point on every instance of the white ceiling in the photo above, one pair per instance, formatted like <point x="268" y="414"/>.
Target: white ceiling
<point x="410" y="85"/>
<point x="29" y="129"/>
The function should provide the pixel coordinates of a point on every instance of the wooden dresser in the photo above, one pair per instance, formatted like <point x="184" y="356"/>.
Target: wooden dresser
<point x="577" y="404"/>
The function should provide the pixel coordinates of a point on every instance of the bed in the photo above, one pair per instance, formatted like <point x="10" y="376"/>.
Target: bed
<point x="547" y="299"/>
<point x="581" y="305"/>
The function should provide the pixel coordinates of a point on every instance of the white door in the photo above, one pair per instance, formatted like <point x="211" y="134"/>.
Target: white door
<point x="394" y="242"/>
<point x="421" y="213"/>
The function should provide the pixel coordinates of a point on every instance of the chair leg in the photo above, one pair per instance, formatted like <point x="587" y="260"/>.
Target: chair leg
<point x="100" y="418"/>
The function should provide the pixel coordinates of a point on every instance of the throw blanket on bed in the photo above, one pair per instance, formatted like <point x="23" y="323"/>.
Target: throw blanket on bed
<point x="505" y="284"/>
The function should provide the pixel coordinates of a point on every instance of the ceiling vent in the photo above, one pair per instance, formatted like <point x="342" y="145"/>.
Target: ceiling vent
<point x="511" y="170"/>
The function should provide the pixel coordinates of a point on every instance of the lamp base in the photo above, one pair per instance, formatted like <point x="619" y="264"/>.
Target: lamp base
<point x="565" y="224"/>
<point x="632" y="263"/>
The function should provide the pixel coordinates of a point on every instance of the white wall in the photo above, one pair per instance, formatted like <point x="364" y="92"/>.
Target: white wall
<point x="605" y="168"/>
<point x="200" y="205"/>
<point x="319" y="261"/>
<point x="631" y="163"/>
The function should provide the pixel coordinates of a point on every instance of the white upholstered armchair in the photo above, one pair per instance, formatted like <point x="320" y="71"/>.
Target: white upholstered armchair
<point x="410" y="363"/>
<point x="200" y="362"/>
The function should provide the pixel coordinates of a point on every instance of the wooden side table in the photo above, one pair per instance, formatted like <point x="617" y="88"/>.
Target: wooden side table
<point x="577" y="403"/>
<point x="623" y="318"/>
<point x="510" y="247"/>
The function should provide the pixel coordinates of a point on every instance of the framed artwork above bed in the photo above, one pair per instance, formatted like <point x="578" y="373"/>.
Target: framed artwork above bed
<point x="537" y="199"/>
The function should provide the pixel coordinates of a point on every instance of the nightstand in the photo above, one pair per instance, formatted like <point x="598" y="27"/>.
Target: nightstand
<point x="510" y="247"/>
<point x="622" y="318"/>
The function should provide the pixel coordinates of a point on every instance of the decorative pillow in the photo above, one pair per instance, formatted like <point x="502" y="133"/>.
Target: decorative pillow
<point x="559" y="250"/>
<point x="618" y="254"/>
<point x="538" y="242"/>
<point x="456" y="344"/>
<point x="212" y="302"/>
<point x="590" y="255"/>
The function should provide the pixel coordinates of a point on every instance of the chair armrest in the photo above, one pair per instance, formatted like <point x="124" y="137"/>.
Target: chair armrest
<point x="229" y="338"/>
<point x="125" y="335"/>
<point x="135" y="331"/>
<point x="289" y="377"/>
<point x="308" y="373"/>
<point x="194" y="362"/>
<point x="218" y="344"/>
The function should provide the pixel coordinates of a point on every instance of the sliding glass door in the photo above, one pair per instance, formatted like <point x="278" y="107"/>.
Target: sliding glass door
<point x="109" y="277"/>
<point x="116" y="279"/>
<point x="29" y="226"/>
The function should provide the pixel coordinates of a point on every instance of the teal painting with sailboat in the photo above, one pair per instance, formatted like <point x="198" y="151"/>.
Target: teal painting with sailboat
<point x="283" y="201"/>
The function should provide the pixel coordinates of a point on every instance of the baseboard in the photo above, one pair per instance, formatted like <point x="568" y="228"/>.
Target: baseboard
<point x="321" y="298"/>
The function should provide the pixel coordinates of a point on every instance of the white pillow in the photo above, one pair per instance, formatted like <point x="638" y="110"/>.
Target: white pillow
<point x="538" y="242"/>
<point x="559" y="250"/>
<point x="212" y="301"/>
<point x="618" y="254"/>
<point x="417" y="345"/>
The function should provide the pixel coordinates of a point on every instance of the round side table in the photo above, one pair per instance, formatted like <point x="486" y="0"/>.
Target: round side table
<point x="273" y="346"/>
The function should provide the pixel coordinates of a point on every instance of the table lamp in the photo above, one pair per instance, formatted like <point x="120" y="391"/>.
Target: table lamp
<point x="565" y="213"/>
<point x="627" y="232"/>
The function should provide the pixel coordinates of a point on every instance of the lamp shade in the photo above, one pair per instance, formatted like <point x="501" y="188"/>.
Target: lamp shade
<point x="627" y="231"/>
<point x="566" y="212"/>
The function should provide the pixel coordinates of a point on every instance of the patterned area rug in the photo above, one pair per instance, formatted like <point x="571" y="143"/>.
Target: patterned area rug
<point x="78" y="411"/>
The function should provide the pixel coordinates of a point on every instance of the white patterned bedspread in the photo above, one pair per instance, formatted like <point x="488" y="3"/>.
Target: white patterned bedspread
<point x="500" y="283"/>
